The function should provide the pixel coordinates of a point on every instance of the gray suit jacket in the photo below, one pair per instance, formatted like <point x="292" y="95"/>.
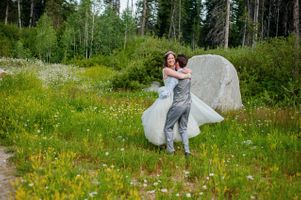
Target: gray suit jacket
<point x="182" y="93"/>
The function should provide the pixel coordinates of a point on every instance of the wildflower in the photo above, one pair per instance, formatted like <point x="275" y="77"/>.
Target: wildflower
<point x="151" y="192"/>
<point x="164" y="190"/>
<point x="30" y="184"/>
<point x="211" y="174"/>
<point x="188" y="195"/>
<point x="204" y="187"/>
<point x="122" y="149"/>
<point x="104" y="165"/>
<point x="107" y="153"/>
<point x="177" y="195"/>
<point x="186" y="172"/>
<point x="249" y="177"/>
<point x="144" y="185"/>
<point x="92" y="194"/>
<point x="201" y="193"/>
<point x="207" y="178"/>
<point x="247" y="142"/>
<point x="155" y="183"/>
<point x="252" y="197"/>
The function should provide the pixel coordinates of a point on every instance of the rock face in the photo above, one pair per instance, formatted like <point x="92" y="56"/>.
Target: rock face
<point x="215" y="81"/>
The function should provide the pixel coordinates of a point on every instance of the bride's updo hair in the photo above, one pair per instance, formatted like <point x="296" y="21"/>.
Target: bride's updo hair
<point x="166" y="55"/>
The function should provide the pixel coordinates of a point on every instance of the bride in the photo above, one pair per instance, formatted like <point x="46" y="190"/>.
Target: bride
<point x="153" y="118"/>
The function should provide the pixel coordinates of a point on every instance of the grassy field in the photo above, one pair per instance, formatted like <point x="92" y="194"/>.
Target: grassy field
<point x="75" y="138"/>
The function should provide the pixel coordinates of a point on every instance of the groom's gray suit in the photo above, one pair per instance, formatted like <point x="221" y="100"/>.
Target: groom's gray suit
<point x="179" y="112"/>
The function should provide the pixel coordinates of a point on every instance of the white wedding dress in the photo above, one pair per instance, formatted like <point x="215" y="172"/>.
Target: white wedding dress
<point x="153" y="118"/>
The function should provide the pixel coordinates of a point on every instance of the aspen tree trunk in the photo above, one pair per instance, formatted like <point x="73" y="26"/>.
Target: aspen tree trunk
<point x="227" y="25"/>
<point x="171" y="32"/>
<point x="143" y="17"/>
<point x="86" y="34"/>
<point x="19" y="14"/>
<point x="296" y="21"/>
<point x="277" y="17"/>
<point x="179" y="25"/>
<point x="92" y="35"/>
<point x="31" y="13"/>
<point x="256" y="11"/>
<point x="6" y="12"/>
<point x="262" y="19"/>
<point x="269" y="18"/>
<point x="126" y="28"/>
<point x="245" y="25"/>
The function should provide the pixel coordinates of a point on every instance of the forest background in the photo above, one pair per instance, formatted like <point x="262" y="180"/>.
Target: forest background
<point x="71" y="107"/>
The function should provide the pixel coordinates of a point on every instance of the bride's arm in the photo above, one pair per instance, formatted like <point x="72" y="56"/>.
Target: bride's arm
<point x="186" y="70"/>
<point x="173" y="73"/>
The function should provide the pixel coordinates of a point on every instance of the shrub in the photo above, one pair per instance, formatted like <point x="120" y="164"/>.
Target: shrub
<point x="265" y="72"/>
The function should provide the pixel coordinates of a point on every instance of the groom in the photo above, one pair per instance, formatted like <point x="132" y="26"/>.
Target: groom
<point x="179" y="110"/>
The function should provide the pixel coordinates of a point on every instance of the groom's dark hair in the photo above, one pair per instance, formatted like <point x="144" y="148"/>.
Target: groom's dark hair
<point x="182" y="60"/>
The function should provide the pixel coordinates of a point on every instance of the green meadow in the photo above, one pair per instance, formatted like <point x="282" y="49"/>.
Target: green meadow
<point x="74" y="137"/>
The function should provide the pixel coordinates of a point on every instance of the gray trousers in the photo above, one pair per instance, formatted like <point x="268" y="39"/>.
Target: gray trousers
<point x="176" y="114"/>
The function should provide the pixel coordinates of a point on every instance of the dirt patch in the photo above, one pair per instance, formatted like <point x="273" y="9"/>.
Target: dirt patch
<point x="7" y="172"/>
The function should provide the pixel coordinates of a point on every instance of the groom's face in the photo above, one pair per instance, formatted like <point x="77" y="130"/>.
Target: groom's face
<point x="177" y="66"/>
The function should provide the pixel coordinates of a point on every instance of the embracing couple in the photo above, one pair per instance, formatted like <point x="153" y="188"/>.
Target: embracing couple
<point x="177" y="114"/>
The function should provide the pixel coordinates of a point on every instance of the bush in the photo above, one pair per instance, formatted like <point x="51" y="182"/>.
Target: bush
<point x="144" y="62"/>
<point x="9" y="34"/>
<point x="265" y="72"/>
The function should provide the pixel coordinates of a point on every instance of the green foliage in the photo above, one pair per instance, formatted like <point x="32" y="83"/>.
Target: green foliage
<point x="46" y="40"/>
<point x="8" y="35"/>
<point x="266" y="72"/>
<point x="109" y="32"/>
<point x="144" y="62"/>
<point x="20" y="51"/>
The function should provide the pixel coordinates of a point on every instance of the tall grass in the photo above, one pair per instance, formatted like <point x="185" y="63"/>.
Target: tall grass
<point x="75" y="138"/>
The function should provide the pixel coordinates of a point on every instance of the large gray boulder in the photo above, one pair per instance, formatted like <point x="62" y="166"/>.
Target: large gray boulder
<point x="215" y="81"/>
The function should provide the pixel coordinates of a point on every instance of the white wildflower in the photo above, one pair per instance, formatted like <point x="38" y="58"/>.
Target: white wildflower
<point x="92" y="194"/>
<point x="164" y="190"/>
<point x="249" y="177"/>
